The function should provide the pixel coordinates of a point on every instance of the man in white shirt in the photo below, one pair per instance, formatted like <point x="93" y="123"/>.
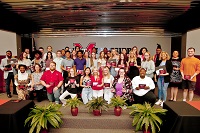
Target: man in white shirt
<point x="58" y="61"/>
<point x="49" y="49"/>
<point x="142" y="86"/>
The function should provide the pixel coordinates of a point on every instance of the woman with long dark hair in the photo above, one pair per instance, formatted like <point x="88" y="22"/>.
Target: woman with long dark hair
<point x="142" y="51"/>
<point x="48" y="60"/>
<point x="86" y="83"/>
<point x="25" y="61"/>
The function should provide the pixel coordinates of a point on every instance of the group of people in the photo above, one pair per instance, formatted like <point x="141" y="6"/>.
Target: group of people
<point x="88" y="74"/>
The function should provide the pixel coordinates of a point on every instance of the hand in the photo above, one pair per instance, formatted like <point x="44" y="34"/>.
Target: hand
<point x="77" y="85"/>
<point x="13" y="65"/>
<point x="31" y="89"/>
<point x="137" y="88"/>
<point x="123" y="90"/>
<point x="47" y="86"/>
<point x="112" y="90"/>
<point x="99" y="85"/>
<point x="5" y="69"/>
<point x="55" y="89"/>
<point x="146" y="87"/>
<point x="191" y="78"/>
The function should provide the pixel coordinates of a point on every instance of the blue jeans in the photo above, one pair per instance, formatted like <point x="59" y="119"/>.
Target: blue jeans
<point x="54" y="96"/>
<point x="86" y="95"/>
<point x="162" y="88"/>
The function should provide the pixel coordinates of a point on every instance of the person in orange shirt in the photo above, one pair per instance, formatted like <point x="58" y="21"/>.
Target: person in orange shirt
<point x="190" y="68"/>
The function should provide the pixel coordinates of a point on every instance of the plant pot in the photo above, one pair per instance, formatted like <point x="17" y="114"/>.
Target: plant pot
<point x="97" y="112"/>
<point x="117" y="111"/>
<point x="74" y="111"/>
<point x="43" y="130"/>
<point x="148" y="130"/>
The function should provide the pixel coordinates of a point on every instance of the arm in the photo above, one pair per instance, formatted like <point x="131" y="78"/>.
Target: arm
<point x="134" y="84"/>
<point x="152" y="68"/>
<point x="16" y="80"/>
<point x="2" y="65"/>
<point x="197" y="70"/>
<point x="81" y="82"/>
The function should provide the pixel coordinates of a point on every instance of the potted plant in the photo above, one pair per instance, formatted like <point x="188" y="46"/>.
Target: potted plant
<point x="146" y="117"/>
<point x="118" y="102"/>
<point x="73" y="103"/>
<point x="40" y="118"/>
<point x="97" y="105"/>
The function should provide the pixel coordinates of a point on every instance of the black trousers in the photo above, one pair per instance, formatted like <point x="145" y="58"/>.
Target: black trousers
<point x="38" y="95"/>
<point x="8" y="80"/>
<point x="149" y="97"/>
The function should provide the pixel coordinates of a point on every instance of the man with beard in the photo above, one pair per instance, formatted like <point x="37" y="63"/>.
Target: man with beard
<point x="8" y="67"/>
<point x="52" y="80"/>
<point x="190" y="68"/>
<point x="142" y="86"/>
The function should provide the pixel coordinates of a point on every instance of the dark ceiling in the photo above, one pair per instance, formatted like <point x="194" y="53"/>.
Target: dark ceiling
<point x="99" y="17"/>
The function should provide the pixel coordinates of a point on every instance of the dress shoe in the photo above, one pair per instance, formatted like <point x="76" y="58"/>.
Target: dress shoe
<point x="9" y="95"/>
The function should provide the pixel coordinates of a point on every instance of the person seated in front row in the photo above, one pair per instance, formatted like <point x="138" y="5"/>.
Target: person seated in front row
<point x="141" y="88"/>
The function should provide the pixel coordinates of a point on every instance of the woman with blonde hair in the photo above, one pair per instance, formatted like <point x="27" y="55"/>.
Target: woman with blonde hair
<point x="107" y="81"/>
<point x="133" y="65"/>
<point x="71" y="85"/>
<point x="93" y="61"/>
<point x="115" y="58"/>
<point x="148" y="64"/>
<point x="101" y="62"/>
<point x="97" y="83"/>
<point x="163" y="72"/>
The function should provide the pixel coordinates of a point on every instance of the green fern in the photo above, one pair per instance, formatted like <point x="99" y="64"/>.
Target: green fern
<point x="146" y="116"/>
<point x="98" y="103"/>
<point x="73" y="102"/>
<point x="118" y="101"/>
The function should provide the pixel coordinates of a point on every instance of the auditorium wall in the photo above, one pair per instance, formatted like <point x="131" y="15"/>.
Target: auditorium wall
<point x="109" y="42"/>
<point x="8" y="41"/>
<point x="193" y="40"/>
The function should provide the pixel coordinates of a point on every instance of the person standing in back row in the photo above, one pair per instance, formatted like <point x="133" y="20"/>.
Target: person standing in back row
<point x="190" y="67"/>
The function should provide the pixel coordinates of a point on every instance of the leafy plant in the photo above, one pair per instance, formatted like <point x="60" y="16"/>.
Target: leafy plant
<point x="40" y="117"/>
<point x="98" y="103"/>
<point x="118" y="101"/>
<point x="146" y="116"/>
<point x="73" y="102"/>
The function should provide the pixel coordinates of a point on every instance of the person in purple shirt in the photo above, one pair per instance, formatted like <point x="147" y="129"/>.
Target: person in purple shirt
<point x="79" y="62"/>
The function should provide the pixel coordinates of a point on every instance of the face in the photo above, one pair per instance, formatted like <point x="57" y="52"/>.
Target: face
<point x="142" y="72"/>
<point x="66" y="49"/>
<point x="144" y="51"/>
<point x="105" y="71"/>
<point x="22" y="69"/>
<point x="158" y="51"/>
<point x="122" y="56"/>
<point x="24" y="55"/>
<point x="86" y="54"/>
<point x="37" y="68"/>
<point x="71" y="71"/>
<point x="94" y="50"/>
<point x="74" y="52"/>
<point x="163" y="56"/>
<point x="87" y="71"/>
<point x="131" y="54"/>
<point x="121" y="72"/>
<point x="102" y="54"/>
<point x="49" y="55"/>
<point x="146" y="56"/>
<point x="9" y="54"/>
<point x="37" y="55"/>
<point x="124" y="51"/>
<point x="67" y="54"/>
<point x="80" y="54"/>
<point x="77" y="48"/>
<point x="93" y="55"/>
<point x="134" y="49"/>
<point x="49" y="49"/>
<point x="58" y="54"/>
<point x="52" y="66"/>
<point x="175" y="54"/>
<point x="95" y="71"/>
<point x="41" y="50"/>
<point x="108" y="54"/>
<point x="113" y="52"/>
<point x="190" y="52"/>
<point x="27" y="51"/>
<point x="63" y="52"/>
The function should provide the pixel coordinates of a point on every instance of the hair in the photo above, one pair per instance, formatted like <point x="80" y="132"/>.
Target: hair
<point x="134" y="58"/>
<point x="22" y="65"/>
<point x="97" y="72"/>
<point x="140" y="52"/>
<point x="85" y="73"/>
<point x="77" y="47"/>
<point x="91" y="60"/>
<point x="163" y="52"/>
<point x="150" y="58"/>
<point x="58" y="51"/>
<point x="106" y="67"/>
<point x="69" y="75"/>
<point x="39" y="66"/>
<point x="53" y="62"/>
<point x="49" y="46"/>
<point x="136" y="49"/>
<point x="118" y="73"/>
<point x="47" y="56"/>
<point x="142" y="69"/>
<point x="124" y="60"/>
<point x="84" y="54"/>
<point x="37" y="52"/>
<point x="158" y="46"/>
<point x="21" y="56"/>
<point x="8" y="51"/>
<point x="66" y="47"/>
<point x="100" y="55"/>
<point x="41" y="48"/>
<point x="191" y="48"/>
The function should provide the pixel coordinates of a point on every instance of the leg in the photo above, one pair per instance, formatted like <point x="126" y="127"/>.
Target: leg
<point x="62" y="97"/>
<point x="31" y="95"/>
<point x="50" y="97"/>
<point x="192" y="86"/>
<point x="110" y="95"/>
<point x="100" y="93"/>
<point x="172" y="93"/>
<point x="95" y="93"/>
<point x="165" y="91"/>
<point x="14" y="87"/>
<point x="106" y="94"/>
<point x="159" y="83"/>
<point x="185" y="87"/>
<point x="89" y="94"/>
<point x="84" y="95"/>
<point x="8" y="80"/>
<point x="191" y="95"/>
<point x="150" y="97"/>
<point x="57" y="95"/>
<point x="175" y="93"/>
<point x="39" y="95"/>
<point x="73" y="95"/>
<point x="138" y="99"/>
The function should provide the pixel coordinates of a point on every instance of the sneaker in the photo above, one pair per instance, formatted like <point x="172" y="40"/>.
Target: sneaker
<point x="158" y="102"/>
<point x="63" y="105"/>
<point x="184" y="100"/>
<point x="9" y="95"/>
<point x="161" y="104"/>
